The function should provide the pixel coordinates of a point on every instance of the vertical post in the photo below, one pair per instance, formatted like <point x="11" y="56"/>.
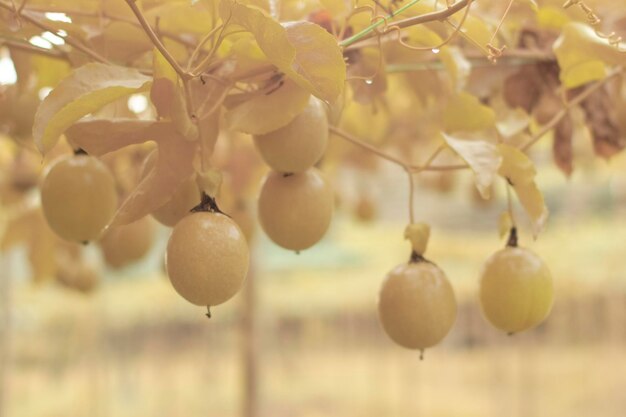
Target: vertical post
<point x="249" y="346"/>
<point x="5" y="331"/>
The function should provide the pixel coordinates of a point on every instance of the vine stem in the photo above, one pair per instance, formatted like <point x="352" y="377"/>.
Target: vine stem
<point x="27" y="47"/>
<point x="411" y="197"/>
<point x="156" y="41"/>
<point x="509" y="202"/>
<point x="534" y="139"/>
<point x="411" y="21"/>
<point x="67" y="39"/>
<point x="102" y="14"/>
<point x="368" y="30"/>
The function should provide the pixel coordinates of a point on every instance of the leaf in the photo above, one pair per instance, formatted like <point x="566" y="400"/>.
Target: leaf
<point x="258" y="115"/>
<point x="457" y="65"/>
<point x="29" y="227"/>
<point x="165" y="80"/>
<point x="482" y="157"/>
<point x="520" y="171"/>
<point x="505" y="223"/>
<point x="583" y="56"/>
<point x="173" y="166"/>
<point x="512" y="122"/>
<point x="601" y="115"/>
<point x="464" y="112"/>
<point x="562" y="151"/>
<point x="84" y="91"/>
<point x="304" y="51"/>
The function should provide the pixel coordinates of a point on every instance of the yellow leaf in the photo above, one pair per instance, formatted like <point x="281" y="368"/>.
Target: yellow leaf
<point x="258" y="115"/>
<point x="163" y="89"/>
<point x="210" y="181"/>
<point x="304" y="51"/>
<point x="121" y="42"/>
<point x="482" y="157"/>
<point x="520" y="171"/>
<point x="181" y="17"/>
<point x="418" y="234"/>
<point x="477" y="31"/>
<point x="49" y="71"/>
<point x="174" y="163"/>
<point x="505" y="223"/>
<point x="457" y="65"/>
<point x="84" y="91"/>
<point x="583" y="55"/>
<point x="464" y="112"/>
<point x="551" y="17"/>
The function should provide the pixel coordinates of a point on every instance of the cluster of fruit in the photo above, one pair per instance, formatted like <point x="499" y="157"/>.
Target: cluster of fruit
<point x="207" y="254"/>
<point x="417" y="306"/>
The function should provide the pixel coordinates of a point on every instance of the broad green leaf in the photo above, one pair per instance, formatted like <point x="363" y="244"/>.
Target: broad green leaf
<point x="583" y="56"/>
<point x="174" y="162"/>
<point x="520" y="171"/>
<point x="258" y="115"/>
<point x="304" y="51"/>
<point x="464" y="112"/>
<point x="84" y="91"/>
<point x="482" y="157"/>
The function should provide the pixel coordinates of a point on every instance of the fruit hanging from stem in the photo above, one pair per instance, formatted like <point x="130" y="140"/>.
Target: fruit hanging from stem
<point x="516" y="289"/>
<point x="207" y="256"/>
<point x="79" y="197"/>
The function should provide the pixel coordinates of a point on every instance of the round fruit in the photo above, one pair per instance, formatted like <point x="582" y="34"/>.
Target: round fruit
<point x="77" y="275"/>
<point x="516" y="291"/>
<point x="295" y="209"/>
<point x="186" y="197"/>
<point x="207" y="258"/>
<point x="123" y="245"/>
<point x="297" y="146"/>
<point x="365" y="210"/>
<point x="416" y="306"/>
<point x="79" y="198"/>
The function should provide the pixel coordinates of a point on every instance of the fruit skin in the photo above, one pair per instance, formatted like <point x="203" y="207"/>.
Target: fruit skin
<point x="76" y="274"/>
<point x="207" y="258"/>
<point x="416" y="305"/>
<point x="123" y="245"/>
<point x="295" y="210"/>
<point x="186" y="197"/>
<point x="297" y="146"/>
<point x="79" y="198"/>
<point x="516" y="290"/>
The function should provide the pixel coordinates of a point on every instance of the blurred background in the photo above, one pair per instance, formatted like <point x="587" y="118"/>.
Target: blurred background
<point x="303" y="339"/>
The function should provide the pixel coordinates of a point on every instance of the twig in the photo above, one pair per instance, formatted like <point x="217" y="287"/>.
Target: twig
<point x="155" y="40"/>
<point x="411" y="21"/>
<point x="27" y="47"/>
<point x="68" y="39"/>
<point x="166" y="34"/>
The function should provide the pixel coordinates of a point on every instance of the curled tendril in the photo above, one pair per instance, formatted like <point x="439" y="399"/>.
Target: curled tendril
<point x="494" y="52"/>
<point x="613" y="39"/>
